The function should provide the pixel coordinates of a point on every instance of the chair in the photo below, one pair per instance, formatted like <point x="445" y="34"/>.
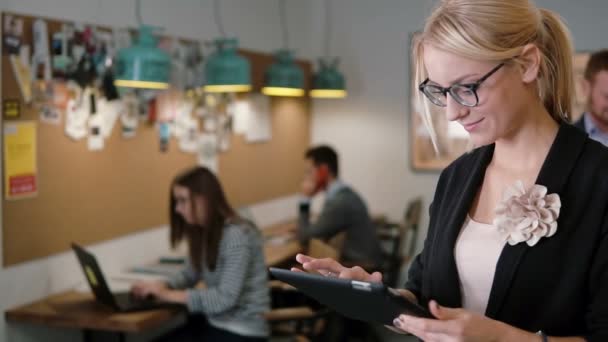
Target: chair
<point x="395" y="234"/>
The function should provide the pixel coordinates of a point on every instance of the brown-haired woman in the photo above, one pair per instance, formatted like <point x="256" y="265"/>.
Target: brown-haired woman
<point x="225" y="252"/>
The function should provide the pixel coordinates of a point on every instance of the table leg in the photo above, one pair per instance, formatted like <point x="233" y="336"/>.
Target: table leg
<point x="88" y="336"/>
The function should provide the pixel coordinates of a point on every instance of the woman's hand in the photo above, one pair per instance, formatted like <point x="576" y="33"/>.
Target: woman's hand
<point x="452" y="325"/>
<point x="158" y="290"/>
<point x="143" y="289"/>
<point x="331" y="268"/>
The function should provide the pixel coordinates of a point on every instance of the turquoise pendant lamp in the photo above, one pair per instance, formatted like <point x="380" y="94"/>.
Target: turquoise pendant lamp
<point x="284" y="77"/>
<point x="226" y="71"/>
<point x="328" y="81"/>
<point x="143" y="65"/>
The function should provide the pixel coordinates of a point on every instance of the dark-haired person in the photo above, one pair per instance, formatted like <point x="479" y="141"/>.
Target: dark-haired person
<point x="226" y="253"/>
<point x="343" y="211"/>
<point x="595" y="120"/>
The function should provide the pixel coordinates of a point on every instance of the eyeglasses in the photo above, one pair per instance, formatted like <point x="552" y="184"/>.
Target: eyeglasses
<point x="465" y="94"/>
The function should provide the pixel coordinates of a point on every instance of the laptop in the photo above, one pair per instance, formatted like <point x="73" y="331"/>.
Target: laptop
<point x="364" y="301"/>
<point x="119" y="301"/>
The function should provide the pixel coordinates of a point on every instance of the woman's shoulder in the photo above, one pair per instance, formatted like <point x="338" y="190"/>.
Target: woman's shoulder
<point x="595" y="154"/>
<point x="592" y="165"/>
<point x="240" y="232"/>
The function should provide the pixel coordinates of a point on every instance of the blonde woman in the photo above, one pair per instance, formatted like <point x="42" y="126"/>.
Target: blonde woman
<point x="517" y="246"/>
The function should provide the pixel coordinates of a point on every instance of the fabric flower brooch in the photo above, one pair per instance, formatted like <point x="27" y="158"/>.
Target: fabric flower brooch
<point x="527" y="214"/>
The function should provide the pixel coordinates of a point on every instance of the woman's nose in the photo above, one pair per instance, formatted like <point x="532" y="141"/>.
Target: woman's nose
<point x="454" y="110"/>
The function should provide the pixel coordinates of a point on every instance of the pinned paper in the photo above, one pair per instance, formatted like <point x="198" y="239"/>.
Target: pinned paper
<point x="210" y="123"/>
<point x="259" y="127"/>
<point x="96" y="121"/>
<point x="12" y="34"/>
<point x="41" y="54"/>
<point x="240" y="111"/>
<point x="22" y="72"/>
<point x="11" y="108"/>
<point x="50" y="115"/>
<point x="109" y="112"/>
<point x="95" y="140"/>
<point x="20" y="168"/>
<point x="129" y="116"/>
<point x="224" y="132"/>
<point x="207" y="151"/>
<point x="188" y="141"/>
<point x="164" y="134"/>
<point x="76" y="120"/>
<point x="77" y="113"/>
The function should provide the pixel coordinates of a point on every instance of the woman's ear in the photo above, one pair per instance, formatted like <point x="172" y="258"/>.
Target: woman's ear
<point x="531" y="58"/>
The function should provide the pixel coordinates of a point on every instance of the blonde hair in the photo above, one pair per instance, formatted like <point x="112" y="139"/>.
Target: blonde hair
<point x="498" y="30"/>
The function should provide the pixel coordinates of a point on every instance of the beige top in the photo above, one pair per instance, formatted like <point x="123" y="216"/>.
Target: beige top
<point x="476" y="252"/>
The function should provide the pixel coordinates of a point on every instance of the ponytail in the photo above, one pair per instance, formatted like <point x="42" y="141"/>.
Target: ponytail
<point x="555" y="84"/>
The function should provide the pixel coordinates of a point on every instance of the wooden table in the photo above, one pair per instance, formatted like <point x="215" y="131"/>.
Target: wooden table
<point x="78" y="310"/>
<point x="278" y="254"/>
<point x="275" y="251"/>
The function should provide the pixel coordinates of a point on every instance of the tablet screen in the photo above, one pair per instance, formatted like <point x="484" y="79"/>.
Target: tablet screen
<point x="370" y="302"/>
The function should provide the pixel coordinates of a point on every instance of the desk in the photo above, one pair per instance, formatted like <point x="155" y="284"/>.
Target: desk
<point x="78" y="310"/>
<point x="277" y="253"/>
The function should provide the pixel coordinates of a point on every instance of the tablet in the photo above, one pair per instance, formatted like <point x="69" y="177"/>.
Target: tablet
<point x="370" y="302"/>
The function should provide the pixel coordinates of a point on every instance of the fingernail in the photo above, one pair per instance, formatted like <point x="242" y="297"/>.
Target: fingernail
<point x="396" y="322"/>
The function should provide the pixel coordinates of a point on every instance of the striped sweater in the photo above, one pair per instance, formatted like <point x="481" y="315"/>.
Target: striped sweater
<point x="236" y="294"/>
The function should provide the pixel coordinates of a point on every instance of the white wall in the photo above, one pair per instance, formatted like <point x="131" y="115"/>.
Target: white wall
<point x="257" y="25"/>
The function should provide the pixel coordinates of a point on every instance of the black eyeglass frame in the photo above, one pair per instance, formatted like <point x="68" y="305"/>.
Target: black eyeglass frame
<point x="473" y="87"/>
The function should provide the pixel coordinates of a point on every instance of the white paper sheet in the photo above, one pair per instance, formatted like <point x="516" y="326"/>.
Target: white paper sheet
<point x="259" y="127"/>
<point x="207" y="151"/>
<point x="109" y="111"/>
<point x="50" y="115"/>
<point x="240" y="111"/>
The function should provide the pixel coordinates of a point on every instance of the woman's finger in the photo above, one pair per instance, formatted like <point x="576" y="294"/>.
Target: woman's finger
<point x="326" y="264"/>
<point x="302" y="258"/>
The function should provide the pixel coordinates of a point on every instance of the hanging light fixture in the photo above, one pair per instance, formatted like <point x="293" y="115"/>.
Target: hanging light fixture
<point x="284" y="77"/>
<point x="143" y="65"/>
<point x="328" y="81"/>
<point x="226" y="71"/>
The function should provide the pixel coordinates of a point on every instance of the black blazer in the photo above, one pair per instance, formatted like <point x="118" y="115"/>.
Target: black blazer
<point x="560" y="285"/>
<point x="580" y="123"/>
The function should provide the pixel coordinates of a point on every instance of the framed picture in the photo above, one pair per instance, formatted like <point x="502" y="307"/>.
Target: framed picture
<point x="579" y="62"/>
<point x="452" y="138"/>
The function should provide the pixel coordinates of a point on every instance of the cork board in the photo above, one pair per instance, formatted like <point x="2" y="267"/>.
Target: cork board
<point x="90" y="197"/>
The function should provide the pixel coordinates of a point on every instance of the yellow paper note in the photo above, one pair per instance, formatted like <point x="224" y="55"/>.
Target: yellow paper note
<point x="20" y="170"/>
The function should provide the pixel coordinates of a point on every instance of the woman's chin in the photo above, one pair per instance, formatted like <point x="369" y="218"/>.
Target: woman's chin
<point x="480" y="139"/>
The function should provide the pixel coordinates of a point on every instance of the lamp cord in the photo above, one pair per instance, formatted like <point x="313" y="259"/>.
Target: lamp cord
<point x="327" y="27"/>
<point x="283" y="15"/>
<point x="218" y="18"/>
<point x="138" y="12"/>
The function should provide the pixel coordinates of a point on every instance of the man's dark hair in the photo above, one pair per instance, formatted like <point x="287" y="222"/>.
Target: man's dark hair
<point x="597" y="62"/>
<point x="324" y="155"/>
